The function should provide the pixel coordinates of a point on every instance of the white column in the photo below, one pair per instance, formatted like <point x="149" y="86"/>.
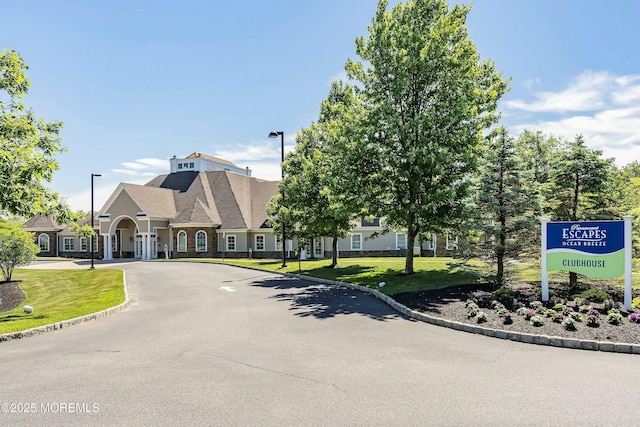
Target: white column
<point x="543" y="254"/>
<point x="628" y="267"/>
<point x="106" y="247"/>
<point x="149" y="251"/>
<point x="144" y="245"/>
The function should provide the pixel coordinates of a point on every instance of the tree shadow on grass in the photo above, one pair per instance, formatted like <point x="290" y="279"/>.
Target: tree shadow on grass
<point x="15" y="317"/>
<point x="308" y="299"/>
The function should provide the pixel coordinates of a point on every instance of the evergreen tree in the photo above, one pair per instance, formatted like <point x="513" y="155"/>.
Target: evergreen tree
<point x="504" y="206"/>
<point x="579" y="186"/>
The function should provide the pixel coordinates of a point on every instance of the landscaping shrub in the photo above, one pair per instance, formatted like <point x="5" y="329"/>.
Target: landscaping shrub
<point x="481" y="317"/>
<point x="594" y="295"/>
<point x="584" y="308"/>
<point x="575" y="316"/>
<point x="569" y="324"/>
<point x="607" y="304"/>
<point x="503" y="295"/>
<point x="536" y="321"/>
<point x="536" y="305"/>
<point x="614" y="317"/>
<point x="558" y="317"/>
<point x="508" y="318"/>
<point x="634" y="317"/>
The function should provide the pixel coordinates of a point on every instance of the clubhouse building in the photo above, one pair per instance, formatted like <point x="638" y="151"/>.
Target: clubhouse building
<point x="206" y="207"/>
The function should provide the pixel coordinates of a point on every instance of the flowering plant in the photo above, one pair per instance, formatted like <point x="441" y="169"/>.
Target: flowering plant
<point x="536" y="321"/>
<point x="508" y="318"/>
<point x="569" y="324"/>
<point x="634" y="317"/>
<point x="481" y="317"/>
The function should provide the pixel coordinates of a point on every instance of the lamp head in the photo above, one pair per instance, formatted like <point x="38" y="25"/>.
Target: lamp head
<point x="274" y="134"/>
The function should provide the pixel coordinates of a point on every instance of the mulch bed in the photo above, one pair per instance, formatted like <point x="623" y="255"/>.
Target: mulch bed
<point x="11" y="296"/>
<point x="449" y="303"/>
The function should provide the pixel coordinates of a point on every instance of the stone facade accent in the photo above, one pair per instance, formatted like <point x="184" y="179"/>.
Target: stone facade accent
<point x="212" y="243"/>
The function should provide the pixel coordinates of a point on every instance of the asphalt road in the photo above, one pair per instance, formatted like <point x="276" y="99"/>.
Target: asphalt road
<point x="210" y="344"/>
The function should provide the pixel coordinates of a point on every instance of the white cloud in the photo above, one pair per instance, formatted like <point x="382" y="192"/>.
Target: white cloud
<point x="609" y="118"/>
<point x="262" y="158"/>
<point x="585" y="93"/>
<point x="140" y="169"/>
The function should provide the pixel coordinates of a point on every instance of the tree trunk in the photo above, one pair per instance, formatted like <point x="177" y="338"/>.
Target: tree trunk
<point x="500" y="261"/>
<point x="334" y="250"/>
<point x="411" y="238"/>
<point x="573" y="281"/>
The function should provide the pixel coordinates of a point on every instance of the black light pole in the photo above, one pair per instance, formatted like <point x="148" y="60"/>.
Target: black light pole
<point x="92" y="175"/>
<point x="275" y="134"/>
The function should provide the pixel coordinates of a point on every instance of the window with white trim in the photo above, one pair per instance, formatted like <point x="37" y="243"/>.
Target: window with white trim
<point x="318" y="247"/>
<point x="43" y="242"/>
<point x="95" y="243"/>
<point x="231" y="242"/>
<point x="114" y="242"/>
<point x="201" y="241"/>
<point x="401" y="240"/>
<point x="452" y="242"/>
<point x="68" y="244"/>
<point x="259" y="242"/>
<point x="83" y="244"/>
<point x="179" y="165"/>
<point x="356" y="242"/>
<point x="278" y="243"/>
<point x="182" y="241"/>
<point x="431" y="242"/>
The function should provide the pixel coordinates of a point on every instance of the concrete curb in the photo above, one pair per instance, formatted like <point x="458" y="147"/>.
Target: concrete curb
<point x="75" y="321"/>
<point x="553" y="341"/>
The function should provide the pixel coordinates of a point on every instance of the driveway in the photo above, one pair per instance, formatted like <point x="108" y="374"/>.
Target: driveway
<point x="207" y="344"/>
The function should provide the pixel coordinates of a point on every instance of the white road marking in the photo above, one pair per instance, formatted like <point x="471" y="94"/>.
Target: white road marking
<point x="227" y="288"/>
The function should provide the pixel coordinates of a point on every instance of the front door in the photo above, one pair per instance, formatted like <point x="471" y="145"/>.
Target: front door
<point x="138" y="247"/>
<point x="318" y="247"/>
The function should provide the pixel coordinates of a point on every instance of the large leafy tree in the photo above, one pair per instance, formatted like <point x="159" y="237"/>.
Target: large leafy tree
<point x="318" y="184"/>
<point x="504" y="203"/>
<point x="626" y="193"/>
<point x="16" y="248"/>
<point x="28" y="147"/>
<point x="428" y="98"/>
<point x="579" y="186"/>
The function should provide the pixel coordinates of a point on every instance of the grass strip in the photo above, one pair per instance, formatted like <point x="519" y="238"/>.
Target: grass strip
<point x="58" y="295"/>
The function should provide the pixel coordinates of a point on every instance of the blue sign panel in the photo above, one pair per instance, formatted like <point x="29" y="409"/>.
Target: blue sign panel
<point x="593" y="237"/>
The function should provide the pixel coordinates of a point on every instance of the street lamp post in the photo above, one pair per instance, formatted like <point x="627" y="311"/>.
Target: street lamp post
<point x="92" y="232"/>
<point x="275" y="134"/>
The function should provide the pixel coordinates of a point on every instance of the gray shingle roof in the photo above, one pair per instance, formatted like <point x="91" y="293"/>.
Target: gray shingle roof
<point x="42" y="223"/>
<point x="220" y="198"/>
<point x="155" y="202"/>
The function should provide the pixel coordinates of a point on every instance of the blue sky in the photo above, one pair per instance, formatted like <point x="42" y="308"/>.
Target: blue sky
<point x="136" y="82"/>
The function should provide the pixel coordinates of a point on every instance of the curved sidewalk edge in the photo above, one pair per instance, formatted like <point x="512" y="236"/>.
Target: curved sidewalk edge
<point x="497" y="333"/>
<point x="553" y="341"/>
<point x="75" y="321"/>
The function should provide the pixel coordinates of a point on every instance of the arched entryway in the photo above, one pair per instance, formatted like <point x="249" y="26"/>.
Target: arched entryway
<point x="121" y="240"/>
<point x="125" y="240"/>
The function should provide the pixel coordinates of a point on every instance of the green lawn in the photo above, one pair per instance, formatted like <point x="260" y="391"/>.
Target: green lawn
<point x="57" y="295"/>
<point x="430" y="273"/>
